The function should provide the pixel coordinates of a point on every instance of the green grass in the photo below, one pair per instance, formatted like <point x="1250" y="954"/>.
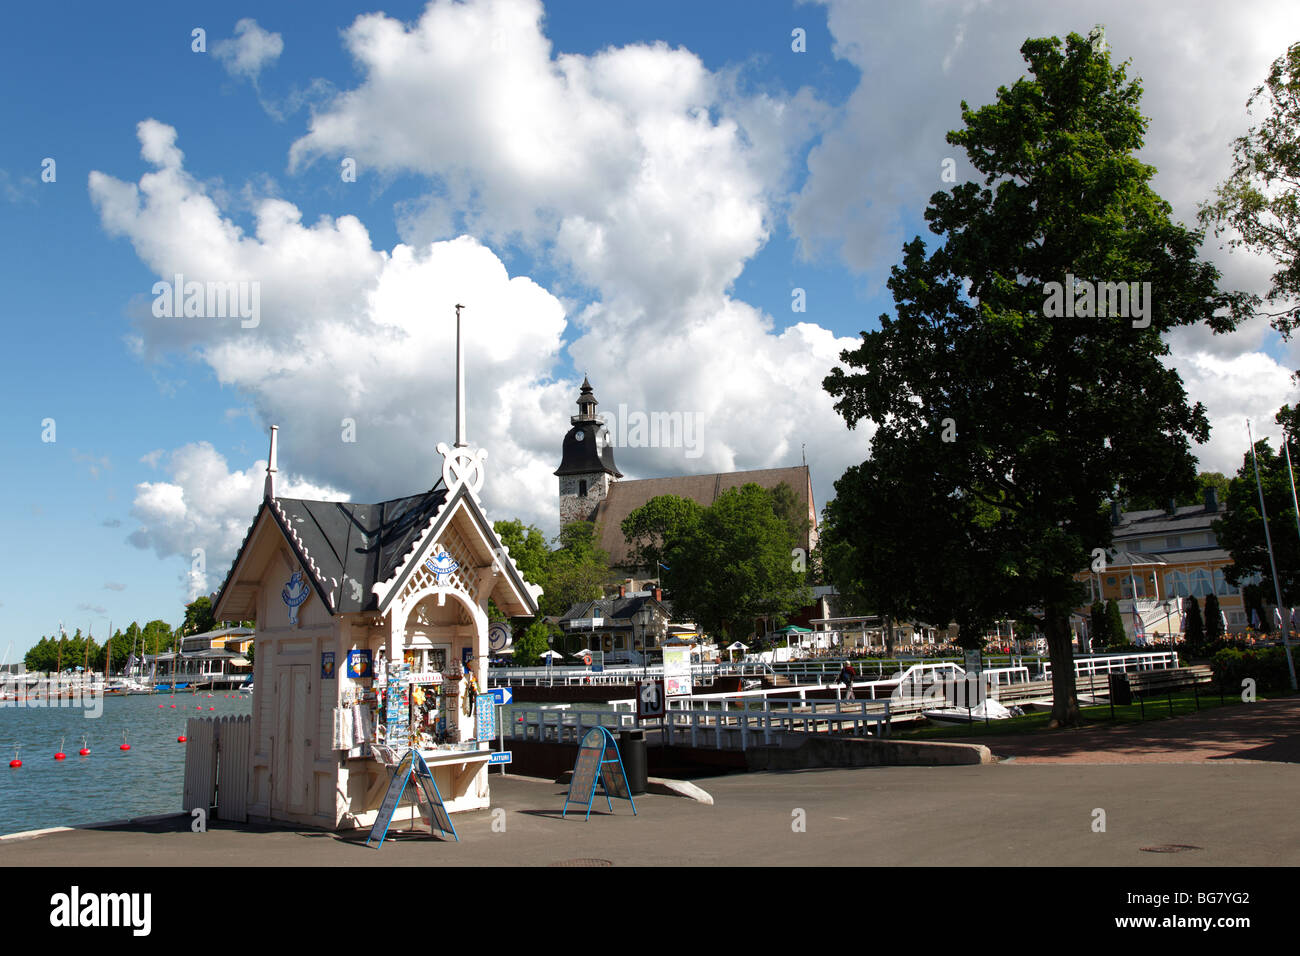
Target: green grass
<point x="1157" y="708"/>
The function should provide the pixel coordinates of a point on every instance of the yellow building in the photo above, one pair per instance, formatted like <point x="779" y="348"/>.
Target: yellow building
<point x="1161" y="556"/>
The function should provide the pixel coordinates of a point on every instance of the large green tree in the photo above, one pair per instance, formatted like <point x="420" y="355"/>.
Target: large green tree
<point x="1012" y="346"/>
<point x="729" y="563"/>
<point x="1259" y="203"/>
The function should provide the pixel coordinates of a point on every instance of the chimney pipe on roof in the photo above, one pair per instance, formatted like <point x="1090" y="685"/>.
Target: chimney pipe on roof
<point x="1171" y="506"/>
<point x="1212" y="500"/>
<point x="659" y="594"/>
<point x="1114" y="514"/>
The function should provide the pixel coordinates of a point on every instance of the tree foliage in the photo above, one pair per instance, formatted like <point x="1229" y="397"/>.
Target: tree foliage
<point x="729" y="563"/>
<point x="531" y="643"/>
<point x="1241" y="530"/>
<point x="1214" y="629"/>
<point x="1260" y="201"/>
<point x="1194" y="626"/>
<point x="1038" y="416"/>
<point x="198" y="616"/>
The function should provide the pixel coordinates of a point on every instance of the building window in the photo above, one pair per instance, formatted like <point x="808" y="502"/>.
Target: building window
<point x="1221" y="585"/>
<point x="582" y="489"/>
<point x="1200" y="583"/>
<point x="1176" y="584"/>
<point x="1173" y="542"/>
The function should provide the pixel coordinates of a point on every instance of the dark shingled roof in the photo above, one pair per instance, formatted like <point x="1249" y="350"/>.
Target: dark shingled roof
<point x="359" y="542"/>
<point x="611" y="609"/>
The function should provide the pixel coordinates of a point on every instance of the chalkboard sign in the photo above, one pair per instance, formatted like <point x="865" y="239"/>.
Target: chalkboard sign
<point x="411" y="764"/>
<point x="438" y="815"/>
<point x="396" y="786"/>
<point x="598" y="759"/>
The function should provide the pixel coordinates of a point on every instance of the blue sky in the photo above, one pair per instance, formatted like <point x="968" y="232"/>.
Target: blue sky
<point x="664" y="268"/>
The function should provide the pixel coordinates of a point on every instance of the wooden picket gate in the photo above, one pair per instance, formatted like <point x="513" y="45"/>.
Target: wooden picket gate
<point x="216" y="766"/>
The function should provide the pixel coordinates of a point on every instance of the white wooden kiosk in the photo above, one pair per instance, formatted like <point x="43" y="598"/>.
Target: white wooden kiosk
<point x="407" y="580"/>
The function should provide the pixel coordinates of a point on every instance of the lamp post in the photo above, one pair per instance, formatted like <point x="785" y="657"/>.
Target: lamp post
<point x="640" y="622"/>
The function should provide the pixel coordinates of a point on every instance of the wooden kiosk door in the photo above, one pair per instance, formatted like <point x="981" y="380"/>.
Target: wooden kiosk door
<point x="289" y="766"/>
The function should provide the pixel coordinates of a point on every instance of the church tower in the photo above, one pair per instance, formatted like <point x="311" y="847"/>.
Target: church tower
<point x="587" y="469"/>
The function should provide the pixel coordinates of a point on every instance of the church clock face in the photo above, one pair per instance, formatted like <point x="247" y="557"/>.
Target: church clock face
<point x="580" y="436"/>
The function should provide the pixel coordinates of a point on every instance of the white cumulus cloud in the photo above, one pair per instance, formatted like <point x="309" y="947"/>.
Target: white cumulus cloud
<point x="249" y="51"/>
<point x="205" y="506"/>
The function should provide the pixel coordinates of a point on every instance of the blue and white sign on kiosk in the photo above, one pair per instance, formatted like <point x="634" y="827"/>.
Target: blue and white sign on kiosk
<point x="426" y="794"/>
<point x="598" y="759"/>
<point x="502" y="695"/>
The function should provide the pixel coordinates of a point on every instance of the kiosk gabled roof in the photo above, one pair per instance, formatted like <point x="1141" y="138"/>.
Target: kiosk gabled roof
<point x="352" y="550"/>
<point x="339" y="542"/>
<point x="346" y="541"/>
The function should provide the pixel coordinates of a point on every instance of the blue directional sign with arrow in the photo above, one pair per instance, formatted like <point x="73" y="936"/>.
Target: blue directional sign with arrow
<point x="502" y="696"/>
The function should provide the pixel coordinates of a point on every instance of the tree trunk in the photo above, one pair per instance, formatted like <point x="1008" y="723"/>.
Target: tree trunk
<point x="1065" y="700"/>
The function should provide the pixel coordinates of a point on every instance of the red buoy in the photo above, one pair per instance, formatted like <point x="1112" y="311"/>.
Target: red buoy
<point x="84" y="751"/>
<point x="124" y="747"/>
<point x="180" y="739"/>
<point x="212" y="708"/>
<point x="60" y="756"/>
<point x="160" y="706"/>
<point x="15" y="763"/>
<point x="173" y="706"/>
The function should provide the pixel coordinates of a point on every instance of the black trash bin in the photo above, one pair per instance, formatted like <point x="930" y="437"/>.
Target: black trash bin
<point x="631" y="745"/>
<point x="1121" y="692"/>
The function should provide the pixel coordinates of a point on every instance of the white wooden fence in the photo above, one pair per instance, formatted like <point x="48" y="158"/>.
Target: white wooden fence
<point x="217" y="751"/>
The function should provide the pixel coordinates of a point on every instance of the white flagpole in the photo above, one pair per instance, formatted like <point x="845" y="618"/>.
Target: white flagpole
<point x="1268" y="541"/>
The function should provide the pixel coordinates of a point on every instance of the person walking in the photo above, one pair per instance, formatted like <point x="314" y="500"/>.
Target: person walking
<point x="847" y="676"/>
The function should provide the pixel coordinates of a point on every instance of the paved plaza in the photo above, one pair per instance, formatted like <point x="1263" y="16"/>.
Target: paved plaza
<point x="1218" y="787"/>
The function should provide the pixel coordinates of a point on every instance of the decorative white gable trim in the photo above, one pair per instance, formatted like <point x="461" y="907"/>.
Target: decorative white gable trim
<point x="306" y="558"/>
<point x="437" y="533"/>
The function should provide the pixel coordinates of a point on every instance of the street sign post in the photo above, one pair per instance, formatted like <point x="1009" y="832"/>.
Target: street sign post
<point x="650" y="700"/>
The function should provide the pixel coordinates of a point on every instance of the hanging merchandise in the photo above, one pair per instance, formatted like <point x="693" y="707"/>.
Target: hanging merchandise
<point x="471" y="691"/>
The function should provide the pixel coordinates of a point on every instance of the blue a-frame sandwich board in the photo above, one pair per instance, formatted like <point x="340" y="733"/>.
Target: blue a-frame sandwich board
<point x="411" y="765"/>
<point x="598" y="758"/>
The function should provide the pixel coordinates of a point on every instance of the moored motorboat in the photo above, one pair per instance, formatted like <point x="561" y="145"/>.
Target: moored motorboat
<point x="989" y="709"/>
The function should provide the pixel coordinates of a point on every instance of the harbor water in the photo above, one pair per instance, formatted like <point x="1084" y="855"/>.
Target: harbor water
<point x="110" y="783"/>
